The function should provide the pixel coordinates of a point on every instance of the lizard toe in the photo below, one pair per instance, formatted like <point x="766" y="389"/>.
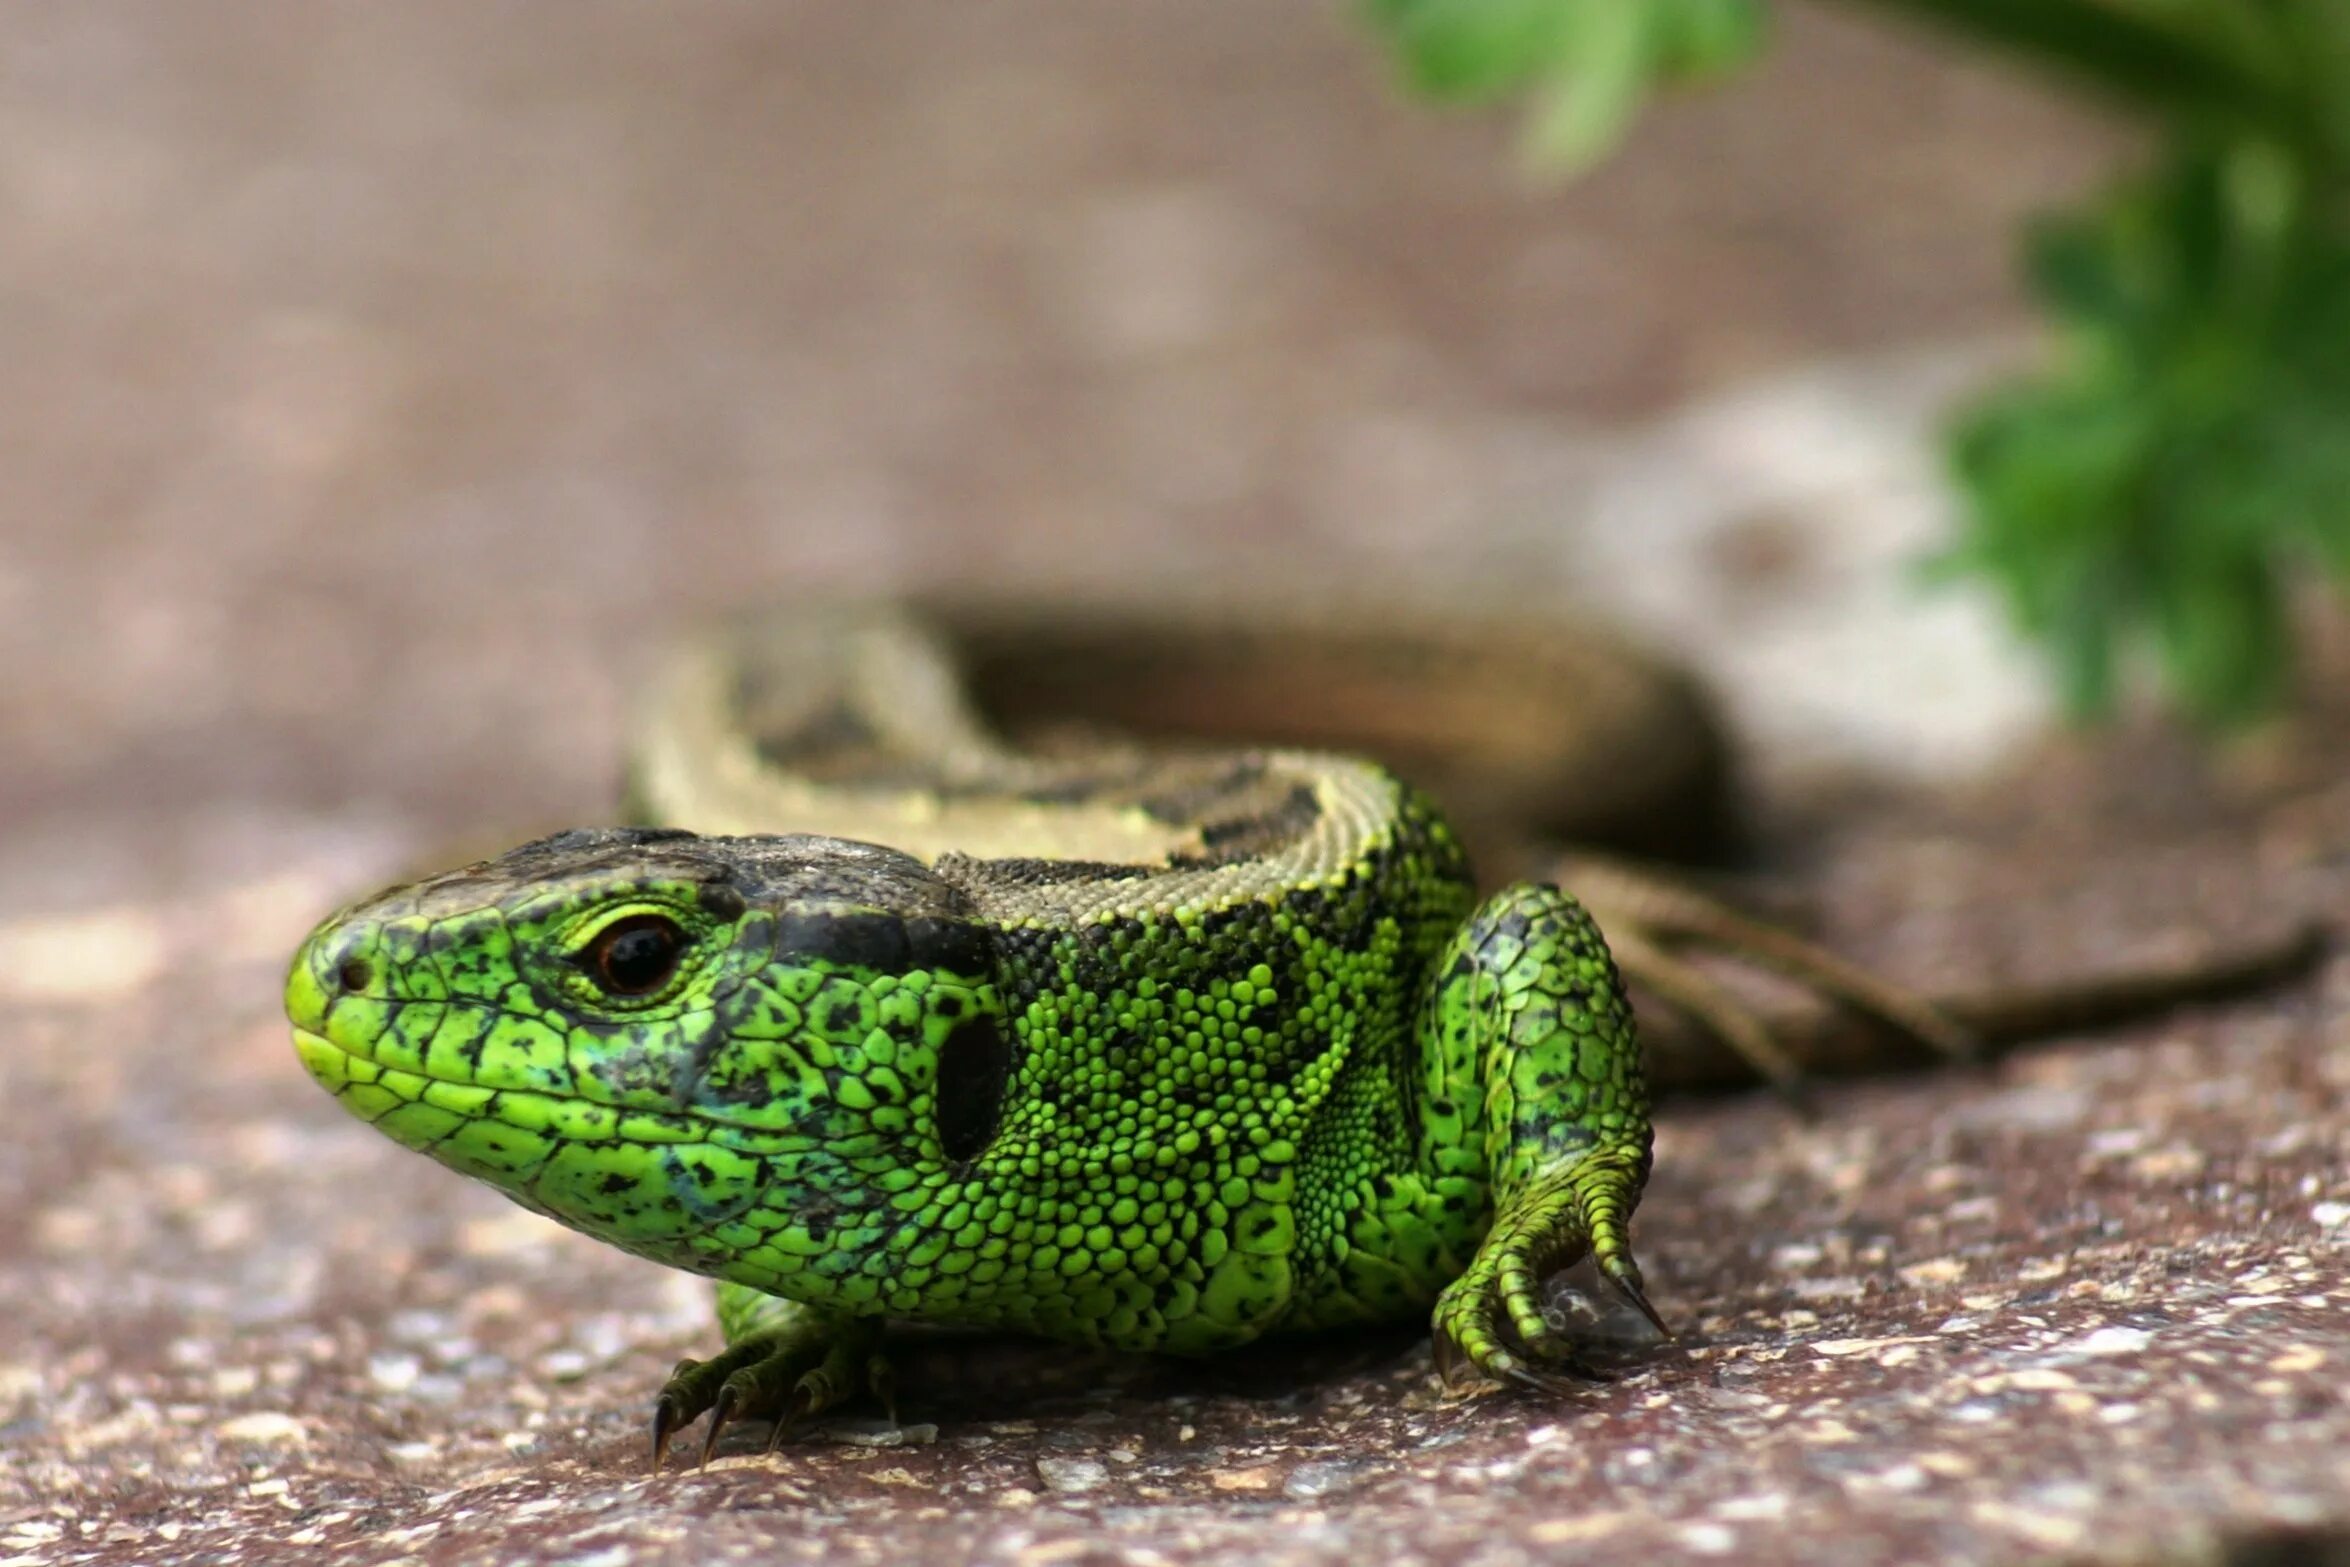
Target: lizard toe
<point x="1468" y="1327"/>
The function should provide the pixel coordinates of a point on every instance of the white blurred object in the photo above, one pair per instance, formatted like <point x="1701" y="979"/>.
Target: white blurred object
<point x="1775" y="536"/>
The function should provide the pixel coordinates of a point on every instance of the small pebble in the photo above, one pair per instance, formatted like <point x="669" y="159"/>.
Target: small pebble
<point x="1072" y="1475"/>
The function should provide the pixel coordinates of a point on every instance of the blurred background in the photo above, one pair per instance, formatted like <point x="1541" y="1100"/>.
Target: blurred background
<point x="378" y="383"/>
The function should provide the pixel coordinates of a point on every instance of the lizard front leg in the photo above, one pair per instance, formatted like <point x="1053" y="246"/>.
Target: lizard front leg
<point x="1527" y="1018"/>
<point x="783" y="1361"/>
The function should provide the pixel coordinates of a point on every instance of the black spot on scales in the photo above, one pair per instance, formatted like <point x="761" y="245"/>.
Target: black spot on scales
<point x="884" y="943"/>
<point x="974" y="1070"/>
<point x="852" y="940"/>
<point x="952" y="946"/>
<point x="720" y="901"/>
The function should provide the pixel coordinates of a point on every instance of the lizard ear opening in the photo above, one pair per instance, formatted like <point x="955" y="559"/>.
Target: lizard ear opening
<point x="974" y="1069"/>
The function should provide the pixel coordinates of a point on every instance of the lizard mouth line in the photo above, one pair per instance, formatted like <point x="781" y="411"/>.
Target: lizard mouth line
<point x="329" y="1061"/>
<point x="310" y="1044"/>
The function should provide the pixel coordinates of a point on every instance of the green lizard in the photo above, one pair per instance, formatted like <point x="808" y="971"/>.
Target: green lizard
<point x="1156" y="1049"/>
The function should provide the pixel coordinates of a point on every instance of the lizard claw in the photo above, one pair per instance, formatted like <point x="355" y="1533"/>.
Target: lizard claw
<point x="670" y="1412"/>
<point x="881" y="1380"/>
<point x="665" y="1423"/>
<point x="720" y="1413"/>
<point x="1627" y="1284"/>
<point x="796" y="1409"/>
<point x="1447" y="1352"/>
<point x="1563" y="1374"/>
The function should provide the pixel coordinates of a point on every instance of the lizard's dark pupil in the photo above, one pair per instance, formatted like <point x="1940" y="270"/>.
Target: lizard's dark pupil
<point x="635" y="956"/>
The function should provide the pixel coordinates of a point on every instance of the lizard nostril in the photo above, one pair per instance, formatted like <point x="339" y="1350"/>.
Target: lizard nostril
<point x="355" y="974"/>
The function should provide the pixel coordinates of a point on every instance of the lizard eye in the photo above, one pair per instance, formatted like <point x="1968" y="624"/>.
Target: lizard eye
<point x="635" y="956"/>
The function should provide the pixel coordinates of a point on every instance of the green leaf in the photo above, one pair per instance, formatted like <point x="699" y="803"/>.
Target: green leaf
<point x="1594" y="95"/>
<point x="1473" y="51"/>
<point x="2187" y="452"/>
<point x="1588" y="65"/>
<point x="2148" y="500"/>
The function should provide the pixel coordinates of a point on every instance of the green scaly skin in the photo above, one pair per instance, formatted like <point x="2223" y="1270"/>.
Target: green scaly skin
<point x="858" y="1098"/>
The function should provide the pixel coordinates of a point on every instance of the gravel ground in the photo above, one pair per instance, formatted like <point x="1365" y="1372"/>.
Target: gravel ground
<point x="2085" y="1306"/>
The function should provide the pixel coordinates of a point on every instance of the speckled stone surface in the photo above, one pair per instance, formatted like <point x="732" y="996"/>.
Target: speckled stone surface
<point x="377" y="383"/>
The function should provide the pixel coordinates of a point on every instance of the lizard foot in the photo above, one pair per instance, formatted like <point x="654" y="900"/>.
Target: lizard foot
<point x="1649" y="919"/>
<point x="1492" y="1316"/>
<point x="784" y="1375"/>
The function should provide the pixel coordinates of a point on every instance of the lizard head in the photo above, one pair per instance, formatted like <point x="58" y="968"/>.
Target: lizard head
<point x="647" y="1034"/>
